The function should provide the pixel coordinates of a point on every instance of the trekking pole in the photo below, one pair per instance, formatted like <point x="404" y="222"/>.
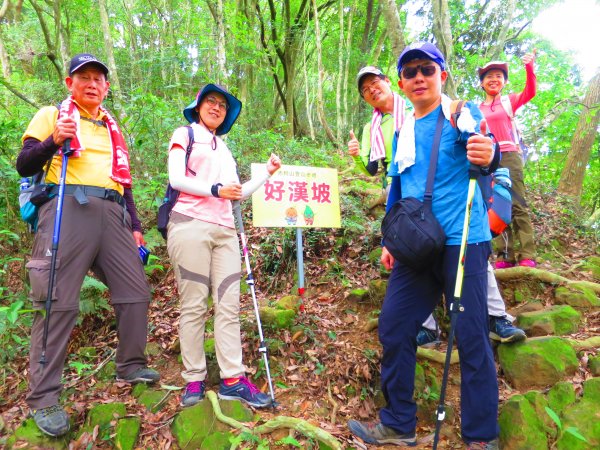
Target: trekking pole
<point x="455" y="306"/>
<point x="66" y="151"/>
<point x="237" y="211"/>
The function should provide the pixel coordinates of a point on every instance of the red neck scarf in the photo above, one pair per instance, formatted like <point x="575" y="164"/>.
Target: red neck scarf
<point x="120" y="155"/>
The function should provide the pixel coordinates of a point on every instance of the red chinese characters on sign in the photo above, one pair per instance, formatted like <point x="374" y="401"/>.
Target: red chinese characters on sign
<point x="298" y="191"/>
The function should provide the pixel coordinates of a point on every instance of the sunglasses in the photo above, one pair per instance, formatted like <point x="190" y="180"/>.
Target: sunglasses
<point x="212" y="101"/>
<point x="411" y="72"/>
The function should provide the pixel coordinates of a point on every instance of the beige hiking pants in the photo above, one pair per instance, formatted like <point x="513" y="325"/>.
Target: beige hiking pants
<point x="206" y="258"/>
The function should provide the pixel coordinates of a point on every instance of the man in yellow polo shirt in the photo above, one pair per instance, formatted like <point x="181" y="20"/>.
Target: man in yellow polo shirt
<point x="100" y="231"/>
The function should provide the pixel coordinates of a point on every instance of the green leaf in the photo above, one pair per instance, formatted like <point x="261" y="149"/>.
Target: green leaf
<point x="554" y="417"/>
<point x="575" y="432"/>
<point x="289" y="440"/>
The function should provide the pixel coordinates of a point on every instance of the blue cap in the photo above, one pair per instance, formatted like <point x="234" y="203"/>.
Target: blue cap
<point x="421" y="50"/>
<point x="235" y="107"/>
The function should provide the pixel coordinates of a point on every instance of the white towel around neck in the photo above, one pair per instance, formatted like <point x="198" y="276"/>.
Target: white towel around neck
<point x="405" y="149"/>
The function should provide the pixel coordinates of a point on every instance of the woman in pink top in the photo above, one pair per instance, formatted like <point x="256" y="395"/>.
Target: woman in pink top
<point x="203" y="244"/>
<point x="493" y="77"/>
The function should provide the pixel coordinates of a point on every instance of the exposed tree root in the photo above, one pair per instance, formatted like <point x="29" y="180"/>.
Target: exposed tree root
<point x="591" y="342"/>
<point x="277" y="423"/>
<point x="516" y="273"/>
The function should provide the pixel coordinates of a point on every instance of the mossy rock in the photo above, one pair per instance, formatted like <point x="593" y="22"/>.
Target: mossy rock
<point x="358" y="295"/>
<point x="377" y="290"/>
<point x="558" y="320"/>
<point x="192" y="425"/>
<point x="583" y="417"/>
<point x="594" y="365"/>
<point x="375" y="256"/>
<point x="580" y="298"/>
<point x="209" y="348"/>
<point x="277" y="318"/>
<point x="108" y="372"/>
<point x="539" y="403"/>
<point x="593" y="265"/>
<point x="537" y="362"/>
<point x="29" y="433"/>
<point x="520" y="426"/>
<point x="127" y="432"/>
<point x="103" y="414"/>
<point x="561" y="395"/>
<point x="237" y="410"/>
<point x="591" y="390"/>
<point x="153" y="349"/>
<point x="217" y="441"/>
<point x="152" y="399"/>
<point x="87" y="352"/>
<point x="139" y="389"/>
<point x="292" y="302"/>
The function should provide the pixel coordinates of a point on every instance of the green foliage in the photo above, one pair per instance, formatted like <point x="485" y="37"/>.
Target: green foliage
<point x="571" y="430"/>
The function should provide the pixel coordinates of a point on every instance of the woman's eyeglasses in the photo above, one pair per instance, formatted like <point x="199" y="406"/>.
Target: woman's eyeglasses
<point x="411" y="72"/>
<point x="212" y="101"/>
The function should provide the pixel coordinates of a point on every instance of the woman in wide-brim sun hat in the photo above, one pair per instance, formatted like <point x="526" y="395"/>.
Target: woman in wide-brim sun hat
<point x="203" y="244"/>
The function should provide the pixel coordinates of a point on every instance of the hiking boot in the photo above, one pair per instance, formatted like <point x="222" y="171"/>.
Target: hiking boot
<point x="378" y="434"/>
<point x="503" y="331"/>
<point x="142" y="375"/>
<point x="242" y="389"/>
<point x="52" y="420"/>
<point x="503" y="265"/>
<point x="527" y="263"/>
<point x="194" y="392"/>
<point x="426" y="336"/>
<point x="490" y="445"/>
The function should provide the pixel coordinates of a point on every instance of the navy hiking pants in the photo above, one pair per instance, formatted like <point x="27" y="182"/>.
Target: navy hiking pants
<point x="410" y="298"/>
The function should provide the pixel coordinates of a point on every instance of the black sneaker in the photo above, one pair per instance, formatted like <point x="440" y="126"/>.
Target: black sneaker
<point x="245" y="391"/>
<point x="503" y="331"/>
<point x="142" y="375"/>
<point x="426" y="336"/>
<point x="378" y="434"/>
<point x="194" y="392"/>
<point x="53" y="420"/>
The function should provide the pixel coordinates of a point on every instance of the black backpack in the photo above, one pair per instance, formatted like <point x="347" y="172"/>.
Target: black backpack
<point x="171" y="195"/>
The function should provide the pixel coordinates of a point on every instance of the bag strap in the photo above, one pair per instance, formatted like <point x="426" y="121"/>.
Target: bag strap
<point x="188" y="149"/>
<point x="433" y="160"/>
<point x="455" y="110"/>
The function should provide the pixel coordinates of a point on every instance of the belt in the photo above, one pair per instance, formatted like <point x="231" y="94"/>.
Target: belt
<point x="81" y="191"/>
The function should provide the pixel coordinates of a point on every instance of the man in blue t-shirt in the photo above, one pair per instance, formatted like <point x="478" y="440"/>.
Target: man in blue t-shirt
<point x="412" y="295"/>
<point x="377" y="137"/>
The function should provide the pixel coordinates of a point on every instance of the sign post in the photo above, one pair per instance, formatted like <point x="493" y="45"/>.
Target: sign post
<point x="297" y="197"/>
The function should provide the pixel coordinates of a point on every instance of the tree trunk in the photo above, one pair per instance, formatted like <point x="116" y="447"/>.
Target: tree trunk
<point x="348" y="118"/>
<point x="108" y="48"/>
<point x="216" y="9"/>
<point x="320" y="108"/>
<point x="443" y="35"/>
<point x="394" y="26"/>
<point x="307" y="92"/>
<point x="340" y="76"/>
<point x="571" y="179"/>
<point x="498" y="44"/>
<point x="51" y="48"/>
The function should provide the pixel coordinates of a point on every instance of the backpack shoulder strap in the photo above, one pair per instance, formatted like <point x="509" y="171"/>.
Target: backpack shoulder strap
<point x="188" y="149"/>
<point x="455" y="110"/>
<point x="505" y="101"/>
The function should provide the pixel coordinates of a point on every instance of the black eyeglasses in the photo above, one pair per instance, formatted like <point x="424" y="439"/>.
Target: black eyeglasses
<point x="411" y="72"/>
<point x="367" y="88"/>
<point x="212" y="101"/>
